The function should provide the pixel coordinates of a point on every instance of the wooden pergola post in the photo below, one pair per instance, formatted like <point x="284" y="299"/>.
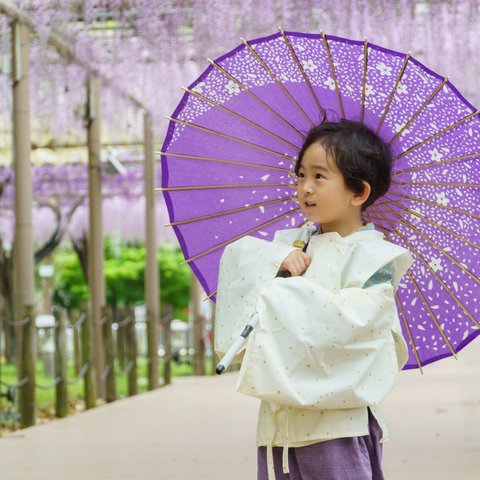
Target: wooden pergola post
<point x="151" y="266"/>
<point x="23" y="253"/>
<point x="24" y="262"/>
<point x="198" y="327"/>
<point x="96" y="281"/>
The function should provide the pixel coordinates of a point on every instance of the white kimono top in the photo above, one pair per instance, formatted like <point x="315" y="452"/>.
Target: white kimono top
<point x="329" y="343"/>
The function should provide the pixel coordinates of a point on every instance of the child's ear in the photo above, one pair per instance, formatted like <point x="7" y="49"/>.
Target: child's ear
<point x="359" y="198"/>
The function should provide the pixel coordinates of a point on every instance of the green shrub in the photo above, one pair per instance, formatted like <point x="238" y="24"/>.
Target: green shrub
<point x="124" y="270"/>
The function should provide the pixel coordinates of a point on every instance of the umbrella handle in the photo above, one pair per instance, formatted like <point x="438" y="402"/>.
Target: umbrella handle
<point x="237" y="344"/>
<point x="240" y="341"/>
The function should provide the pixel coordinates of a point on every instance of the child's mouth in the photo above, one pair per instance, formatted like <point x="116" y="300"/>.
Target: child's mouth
<point x="309" y="205"/>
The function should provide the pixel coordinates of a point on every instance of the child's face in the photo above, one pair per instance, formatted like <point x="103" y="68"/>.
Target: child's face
<point x="325" y="187"/>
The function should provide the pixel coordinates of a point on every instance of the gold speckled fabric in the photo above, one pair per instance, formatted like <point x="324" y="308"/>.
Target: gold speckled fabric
<point x="329" y="342"/>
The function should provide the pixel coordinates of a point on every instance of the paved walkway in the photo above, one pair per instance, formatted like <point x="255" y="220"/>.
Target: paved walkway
<point x="200" y="428"/>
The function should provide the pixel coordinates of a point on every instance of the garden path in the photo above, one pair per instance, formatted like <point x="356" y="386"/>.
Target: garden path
<point x="200" y="428"/>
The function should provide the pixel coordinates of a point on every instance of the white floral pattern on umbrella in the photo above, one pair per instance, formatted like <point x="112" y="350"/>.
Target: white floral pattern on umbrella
<point x="221" y="144"/>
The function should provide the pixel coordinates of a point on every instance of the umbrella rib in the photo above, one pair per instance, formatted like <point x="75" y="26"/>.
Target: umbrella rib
<point x="270" y="109"/>
<point x="417" y="113"/>
<point x="210" y="296"/>
<point x="215" y="291"/>
<point x="447" y="160"/>
<point x="392" y="94"/>
<point x="302" y="71"/>
<point x="383" y="227"/>
<point x="464" y="269"/>
<point x="435" y="204"/>
<point x="226" y="212"/>
<point x="332" y="68"/>
<point x="435" y="135"/>
<point x="368" y="216"/>
<point x="409" y="333"/>
<point x="228" y="137"/>
<point x="398" y="190"/>
<point x="277" y="81"/>
<point x="229" y="162"/>
<point x="398" y="186"/>
<point x="205" y="187"/>
<point x="364" y="87"/>
<point x="241" y="117"/>
<point x="255" y="229"/>
<point x="415" y="284"/>
<point x="439" y="184"/>
<point x="447" y="288"/>
<point x="435" y="224"/>
<point x="388" y="195"/>
<point x="439" y="328"/>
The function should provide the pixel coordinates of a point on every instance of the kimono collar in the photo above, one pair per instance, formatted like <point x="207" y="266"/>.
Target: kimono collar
<point x="367" y="230"/>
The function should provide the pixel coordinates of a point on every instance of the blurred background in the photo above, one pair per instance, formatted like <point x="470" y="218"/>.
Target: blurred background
<point x="95" y="302"/>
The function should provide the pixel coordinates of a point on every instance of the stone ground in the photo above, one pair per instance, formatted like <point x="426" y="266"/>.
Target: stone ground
<point x="200" y="428"/>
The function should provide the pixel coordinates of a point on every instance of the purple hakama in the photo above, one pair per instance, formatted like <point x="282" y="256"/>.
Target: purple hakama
<point x="349" y="458"/>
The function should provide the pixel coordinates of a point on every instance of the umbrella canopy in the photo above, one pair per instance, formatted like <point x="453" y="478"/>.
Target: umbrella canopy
<point x="231" y="146"/>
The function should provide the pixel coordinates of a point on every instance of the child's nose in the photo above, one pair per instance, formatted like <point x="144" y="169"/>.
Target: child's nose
<point x="307" y="187"/>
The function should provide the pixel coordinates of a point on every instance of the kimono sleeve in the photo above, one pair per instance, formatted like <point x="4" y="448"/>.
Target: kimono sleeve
<point x="245" y="265"/>
<point x="386" y="274"/>
<point x="315" y="348"/>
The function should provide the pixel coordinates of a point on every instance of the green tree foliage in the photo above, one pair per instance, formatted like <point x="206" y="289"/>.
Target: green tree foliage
<point x="174" y="280"/>
<point x="70" y="288"/>
<point x="124" y="269"/>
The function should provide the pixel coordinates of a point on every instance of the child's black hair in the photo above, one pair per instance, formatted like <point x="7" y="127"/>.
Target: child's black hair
<point x="360" y="154"/>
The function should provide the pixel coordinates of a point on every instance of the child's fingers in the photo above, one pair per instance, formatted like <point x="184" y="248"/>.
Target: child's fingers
<point x="296" y="263"/>
<point x="299" y="267"/>
<point x="307" y="258"/>
<point x="293" y="267"/>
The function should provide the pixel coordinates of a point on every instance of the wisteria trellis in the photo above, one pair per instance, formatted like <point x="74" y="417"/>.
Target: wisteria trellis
<point x="65" y="183"/>
<point x="153" y="45"/>
<point x="229" y="154"/>
<point x="150" y="47"/>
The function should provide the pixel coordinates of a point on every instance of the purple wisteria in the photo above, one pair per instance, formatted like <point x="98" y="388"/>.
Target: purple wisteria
<point x="152" y="48"/>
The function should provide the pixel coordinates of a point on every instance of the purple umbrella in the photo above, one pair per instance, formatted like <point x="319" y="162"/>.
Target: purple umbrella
<point x="229" y="155"/>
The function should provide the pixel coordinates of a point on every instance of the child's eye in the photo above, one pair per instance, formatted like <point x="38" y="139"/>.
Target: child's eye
<point x="301" y="175"/>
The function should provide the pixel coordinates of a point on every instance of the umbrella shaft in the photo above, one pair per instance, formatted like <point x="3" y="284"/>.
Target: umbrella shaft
<point x="237" y="345"/>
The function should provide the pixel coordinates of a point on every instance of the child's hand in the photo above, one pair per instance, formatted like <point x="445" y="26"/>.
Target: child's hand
<point x="296" y="262"/>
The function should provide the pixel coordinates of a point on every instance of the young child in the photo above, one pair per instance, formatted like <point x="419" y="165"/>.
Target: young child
<point x="329" y="346"/>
